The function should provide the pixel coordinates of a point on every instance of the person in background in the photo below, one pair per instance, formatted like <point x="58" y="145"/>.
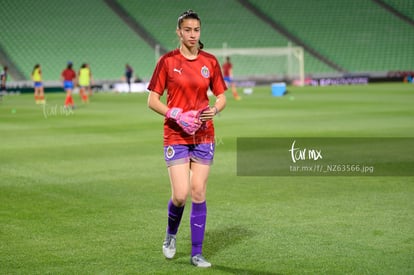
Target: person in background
<point x="68" y="76"/>
<point x="84" y="81"/>
<point x="129" y="74"/>
<point x="3" y="81"/>
<point x="228" y="77"/>
<point x="90" y="91"/>
<point x="187" y="73"/>
<point x="39" y="94"/>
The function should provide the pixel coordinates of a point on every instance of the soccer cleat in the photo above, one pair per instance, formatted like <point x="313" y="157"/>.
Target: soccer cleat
<point x="199" y="261"/>
<point x="168" y="247"/>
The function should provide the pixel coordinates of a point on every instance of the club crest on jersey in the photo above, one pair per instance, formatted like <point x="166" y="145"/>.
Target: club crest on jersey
<point x="169" y="152"/>
<point x="205" y="72"/>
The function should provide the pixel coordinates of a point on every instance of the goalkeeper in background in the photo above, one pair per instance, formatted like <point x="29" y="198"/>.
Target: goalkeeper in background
<point x="228" y="77"/>
<point x="187" y="73"/>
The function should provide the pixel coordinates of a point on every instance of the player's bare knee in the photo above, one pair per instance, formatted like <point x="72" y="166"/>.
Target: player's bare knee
<point x="198" y="196"/>
<point x="179" y="201"/>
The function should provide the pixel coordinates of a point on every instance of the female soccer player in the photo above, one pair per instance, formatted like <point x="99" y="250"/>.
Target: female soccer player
<point x="39" y="94"/>
<point x="84" y="81"/>
<point x="228" y="77"/>
<point x="187" y="73"/>
<point x="68" y="76"/>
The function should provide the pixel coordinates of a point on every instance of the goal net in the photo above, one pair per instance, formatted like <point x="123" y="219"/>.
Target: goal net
<point x="267" y="64"/>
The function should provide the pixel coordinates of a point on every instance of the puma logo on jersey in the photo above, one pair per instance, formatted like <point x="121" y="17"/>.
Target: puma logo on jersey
<point x="178" y="70"/>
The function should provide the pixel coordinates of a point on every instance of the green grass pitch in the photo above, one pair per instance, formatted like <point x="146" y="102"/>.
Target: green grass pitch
<point x="85" y="192"/>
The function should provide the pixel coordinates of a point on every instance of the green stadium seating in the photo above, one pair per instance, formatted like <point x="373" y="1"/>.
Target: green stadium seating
<point x="54" y="32"/>
<point x="222" y="22"/>
<point x="405" y="7"/>
<point x="358" y="35"/>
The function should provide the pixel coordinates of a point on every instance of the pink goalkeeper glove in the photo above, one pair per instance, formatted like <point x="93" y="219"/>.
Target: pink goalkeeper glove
<point x="188" y="121"/>
<point x="174" y="113"/>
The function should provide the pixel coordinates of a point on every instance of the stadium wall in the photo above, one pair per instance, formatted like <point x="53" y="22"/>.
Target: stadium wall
<point x="316" y="80"/>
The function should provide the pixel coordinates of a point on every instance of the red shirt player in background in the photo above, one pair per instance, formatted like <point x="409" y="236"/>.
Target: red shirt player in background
<point x="228" y="77"/>
<point x="187" y="74"/>
<point x="68" y="76"/>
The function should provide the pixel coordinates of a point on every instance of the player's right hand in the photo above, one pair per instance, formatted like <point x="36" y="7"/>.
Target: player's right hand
<point x="188" y="121"/>
<point x="174" y="113"/>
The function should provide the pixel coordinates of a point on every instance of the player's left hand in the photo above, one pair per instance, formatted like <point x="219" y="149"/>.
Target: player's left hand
<point x="208" y="113"/>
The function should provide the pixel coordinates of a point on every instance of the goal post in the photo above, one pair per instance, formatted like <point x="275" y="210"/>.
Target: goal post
<point x="265" y="62"/>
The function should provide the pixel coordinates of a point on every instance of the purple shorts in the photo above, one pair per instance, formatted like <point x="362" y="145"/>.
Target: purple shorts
<point x="184" y="153"/>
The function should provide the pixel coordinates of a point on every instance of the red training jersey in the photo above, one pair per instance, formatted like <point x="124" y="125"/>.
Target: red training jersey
<point x="187" y="82"/>
<point x="68" y="75"/>
<point x="227" y="66"/>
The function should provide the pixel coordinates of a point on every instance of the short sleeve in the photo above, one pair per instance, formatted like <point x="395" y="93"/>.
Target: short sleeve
<point x="217" y="85"/>
<point x="158" y="80"/>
